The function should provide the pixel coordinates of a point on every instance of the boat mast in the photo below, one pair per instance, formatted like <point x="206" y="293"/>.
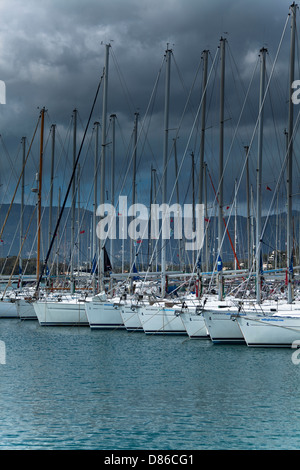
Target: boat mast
<point x="103" y="154"/>
<point x="206" y="220"/>
<point x="154" y="202"/>
<point x="132" y="249"/>
<point x="94" y="237"/>
<point x="22" y="210"/>
<point x="112" y="178"/>
<point x="40" y="194"/>
<point x="248" y="209"/>
<point x="290" y="158"/>
<point x="57" y="241"/>
<point x="193" y="204"/>
<point x="177" y="200"/>
<point x="51" y="184"/>
<point x="165" y="160"/>
<point x="221" y="179"/>
<point x="263" y="52"/>
<point x="203" y="112"/>
<point x="235" y="223"/>
<point x="72" y="282"/>
<point x="202" y="169"/>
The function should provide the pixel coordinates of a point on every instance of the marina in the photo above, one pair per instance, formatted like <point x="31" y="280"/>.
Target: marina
<point x="150" y="289"/>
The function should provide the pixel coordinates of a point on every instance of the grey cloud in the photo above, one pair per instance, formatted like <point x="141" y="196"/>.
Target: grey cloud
<point x="51" y="55"/>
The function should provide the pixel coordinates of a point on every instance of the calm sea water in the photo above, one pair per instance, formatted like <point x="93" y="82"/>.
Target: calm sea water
<point x="73" y="388"/>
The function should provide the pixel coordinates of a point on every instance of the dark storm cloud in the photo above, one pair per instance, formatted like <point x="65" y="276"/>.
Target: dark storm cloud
<point x="52" y="54"/>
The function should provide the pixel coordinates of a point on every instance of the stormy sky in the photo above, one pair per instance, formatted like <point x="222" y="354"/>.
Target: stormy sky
<point x="52" y="55"/>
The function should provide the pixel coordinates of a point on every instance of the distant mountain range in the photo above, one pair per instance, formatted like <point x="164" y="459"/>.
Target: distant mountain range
<point x="10" y="239"/>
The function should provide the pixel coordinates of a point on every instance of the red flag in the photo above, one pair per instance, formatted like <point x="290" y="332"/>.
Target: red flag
<point x="268" y="188"/>
<point x="82" y="231"/>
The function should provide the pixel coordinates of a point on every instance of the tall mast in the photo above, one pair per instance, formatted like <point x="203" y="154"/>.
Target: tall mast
<point x="177" y="201"/>
<point x="263" y="52"/>
<point x="290" y="158"/>
<point x="57" y="241"/>
<point x="132" y="257"/>
<point x="149" y="225"/>
<point x="221" y="151"/>
<point x="72" y="283"/>
<point x="78" y="221"/>
<point x="94" y="257"/>
<point x="112" y="178"/>
<point x="165" y="162"/>
<point x="206" y="223"/>
<point x="248" y="208"/>
<point x="103" y="154"/>
<point x="22" y="209"/>
<point x="154" y="202"/>
<point x="51" y="184"/>
<point x="235" y="222"/>
<point x="203" y="111"/>
<point x="40" y="194"/>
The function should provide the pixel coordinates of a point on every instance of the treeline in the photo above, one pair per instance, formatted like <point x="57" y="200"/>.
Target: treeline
<point x="9" y="264"/>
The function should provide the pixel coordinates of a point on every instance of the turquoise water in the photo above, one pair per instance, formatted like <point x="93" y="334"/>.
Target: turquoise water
<point x="73" y="388"/>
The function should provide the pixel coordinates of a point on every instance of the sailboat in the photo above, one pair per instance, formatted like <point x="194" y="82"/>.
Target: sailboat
<point x="103" y="313"/>
<point x="67" y="309"/>
<point x="8" y="307"/>
<point x="194" y="323"/>
<point x="52" y="310"/>
<point x="60" y="311"/>
<point x="217" y="317"/>
<point x="161" y="317"/>
<point x="21" y="306"/>
<point x="283" y="327"/>
<point x="24" y="301"/>
<point x="130" y="316"/>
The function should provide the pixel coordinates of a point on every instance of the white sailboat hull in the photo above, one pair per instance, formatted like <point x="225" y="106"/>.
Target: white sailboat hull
<point x="55" y="313"/>
<point x="221" y="328"/>
<point x="279" y="330"/>
<point x="195" y="325"/>
<point x="131" y="317"/>
<point x="104" y="315"/>
<point x="25" y="309"/>
<point x="161" y="320"/>
<point x="218" y="316"/>
<point x="8" y="309"/>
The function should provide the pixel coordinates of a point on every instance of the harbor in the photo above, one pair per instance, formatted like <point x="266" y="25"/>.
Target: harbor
<point x="150" y="250"/>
